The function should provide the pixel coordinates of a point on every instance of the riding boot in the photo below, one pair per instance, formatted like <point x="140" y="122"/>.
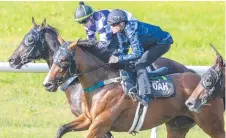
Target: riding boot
<point x="144" y="86"/>
<point x="127" y="83"/>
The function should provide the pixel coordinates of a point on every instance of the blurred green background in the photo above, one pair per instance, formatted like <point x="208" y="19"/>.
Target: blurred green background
<point x="28" y="111"/>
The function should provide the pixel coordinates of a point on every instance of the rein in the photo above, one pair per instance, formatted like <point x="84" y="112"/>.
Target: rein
<point x="91" y="69"/>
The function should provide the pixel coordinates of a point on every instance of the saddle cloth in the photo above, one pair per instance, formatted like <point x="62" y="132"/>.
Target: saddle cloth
<point x="161" y="86"/>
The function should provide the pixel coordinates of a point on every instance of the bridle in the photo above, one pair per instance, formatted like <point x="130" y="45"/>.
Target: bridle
<point x="212" y="78"/>
<point x="33" y="39"/>
<point x="209" y="81"/>
<point x="70" y="64"/>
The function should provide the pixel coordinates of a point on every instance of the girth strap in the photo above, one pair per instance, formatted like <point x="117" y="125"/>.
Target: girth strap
<point x="102" y="83"/>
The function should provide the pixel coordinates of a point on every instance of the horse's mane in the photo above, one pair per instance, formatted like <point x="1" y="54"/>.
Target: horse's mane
<point x="52" y="29"/>
<point x="102" y="56"/>
<point x="103" y="53"/>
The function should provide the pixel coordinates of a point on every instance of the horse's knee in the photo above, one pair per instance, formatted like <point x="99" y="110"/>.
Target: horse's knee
<point x="99" y="130"/>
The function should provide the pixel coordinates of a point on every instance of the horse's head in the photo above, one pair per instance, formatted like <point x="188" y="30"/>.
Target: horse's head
<point x="211" y="86"/>
<point x="63" y="66"/>
<point x="32" y="46"/>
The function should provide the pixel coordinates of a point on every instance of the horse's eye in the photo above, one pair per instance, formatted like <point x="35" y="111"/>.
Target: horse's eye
<point x="30" y="40"/>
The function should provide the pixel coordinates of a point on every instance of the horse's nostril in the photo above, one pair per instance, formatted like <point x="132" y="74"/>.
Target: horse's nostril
<point x="11" y="61"/>
<point x="48" y="84"/>
<point x="189" y="104"/>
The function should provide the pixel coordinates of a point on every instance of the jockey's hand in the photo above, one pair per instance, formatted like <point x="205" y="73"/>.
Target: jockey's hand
<point x="113" y="59"/>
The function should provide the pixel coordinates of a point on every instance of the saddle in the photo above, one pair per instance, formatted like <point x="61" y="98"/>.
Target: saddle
<point x="161" y="85"/>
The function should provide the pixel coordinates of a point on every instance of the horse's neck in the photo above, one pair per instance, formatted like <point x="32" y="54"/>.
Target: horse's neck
<point x="85" y="61"/>
<point x="224" y="83"/>
<point x="51" y="46"/>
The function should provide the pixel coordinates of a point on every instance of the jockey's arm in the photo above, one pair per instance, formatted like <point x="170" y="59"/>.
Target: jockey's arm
<point x="103" y="43"/>
<point x="135" y="44"/>
<point x="120" y="51"/>
<point x="104" y="40"/>
<point x="90" y="34"/>
<point x="91" y="40"/>
<point x="87" y="43"/>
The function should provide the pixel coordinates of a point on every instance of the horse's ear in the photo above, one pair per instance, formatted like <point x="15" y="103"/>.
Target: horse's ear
<point x="44" y="22"/>
<point x="42" y="25"/>
<point x="60" y="39"/>
<point x="219" y="61"/>
<point x="72" y="45"/>
<point x="33" y="22"/>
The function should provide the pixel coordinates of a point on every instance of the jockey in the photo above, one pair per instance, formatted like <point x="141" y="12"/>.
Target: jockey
<point x="96" y="21"/>
<point x="147" y="43"/>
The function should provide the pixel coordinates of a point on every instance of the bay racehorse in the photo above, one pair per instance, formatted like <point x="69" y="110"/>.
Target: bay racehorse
<point x="108" y="108"/>
<point x="211" y="86"/>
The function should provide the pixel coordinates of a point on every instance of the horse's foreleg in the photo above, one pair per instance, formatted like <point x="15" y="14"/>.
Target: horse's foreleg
<point x="176" y="133"/>
<point x="100" y="126"/>
<point x="79" y="124"/>
<point x="179" y="126"/>
<point x="98" y="129"/>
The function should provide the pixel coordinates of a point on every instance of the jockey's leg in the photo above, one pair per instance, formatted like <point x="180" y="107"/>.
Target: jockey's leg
<point x="149" y="56"/>
<point x="127" y="81"/>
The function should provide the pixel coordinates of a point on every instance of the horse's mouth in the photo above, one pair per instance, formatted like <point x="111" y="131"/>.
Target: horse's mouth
<point x="15" y="65"/>
<point x="197" y="106"/>
<point x="51" y="87"/>
<point x="195" y="110"/>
